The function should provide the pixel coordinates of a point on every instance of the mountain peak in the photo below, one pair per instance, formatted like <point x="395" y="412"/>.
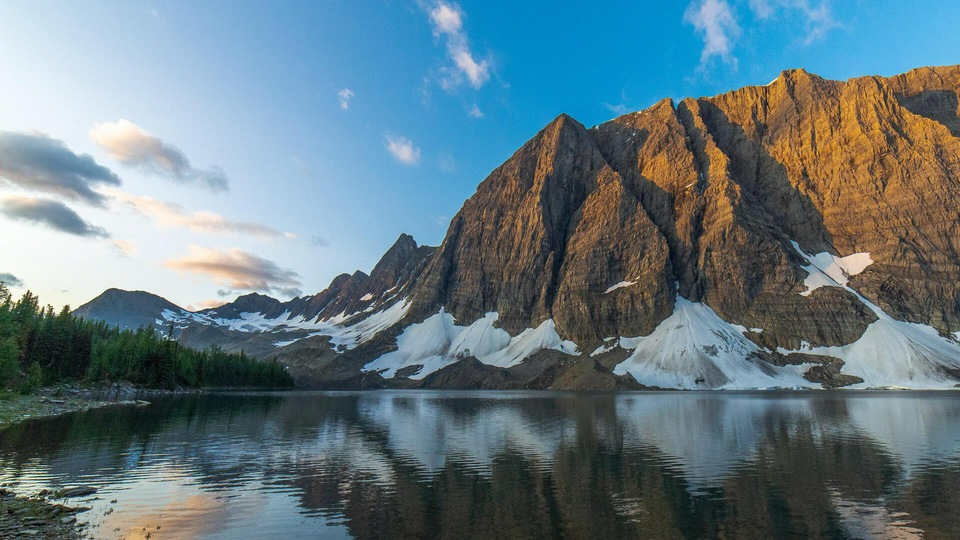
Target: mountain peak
<point x="804" y="218"/>
<point x="127" y="309"/>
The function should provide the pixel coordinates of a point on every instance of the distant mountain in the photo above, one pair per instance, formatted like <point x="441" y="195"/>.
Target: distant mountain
<point x="799" y="234"/>
<point x="128" y="309"/>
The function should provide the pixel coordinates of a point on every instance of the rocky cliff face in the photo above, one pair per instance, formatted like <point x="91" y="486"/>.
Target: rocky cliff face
<point x="803" y="232"/>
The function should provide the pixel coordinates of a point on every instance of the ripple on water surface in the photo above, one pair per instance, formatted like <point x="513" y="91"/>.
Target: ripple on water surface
<point x="376" y="464"/>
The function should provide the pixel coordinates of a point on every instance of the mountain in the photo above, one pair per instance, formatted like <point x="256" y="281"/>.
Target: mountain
<point x="799" y="234"/>
<point x="129" y="309"/>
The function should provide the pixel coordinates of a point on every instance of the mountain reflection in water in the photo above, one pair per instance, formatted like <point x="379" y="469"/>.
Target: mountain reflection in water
<point x="494" y="465"/>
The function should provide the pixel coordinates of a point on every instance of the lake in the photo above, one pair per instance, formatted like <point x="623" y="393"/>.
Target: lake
<point x="384" y="464"/>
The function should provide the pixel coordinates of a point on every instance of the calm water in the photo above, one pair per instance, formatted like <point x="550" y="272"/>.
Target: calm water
<point x="496" y="465"/>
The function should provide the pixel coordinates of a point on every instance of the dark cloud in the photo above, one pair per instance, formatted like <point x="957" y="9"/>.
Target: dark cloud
<point x="37" y="162"/>
<point x="10" y="280"/>
<point x="236" y="269"/>
<point x="131" y="145"/>
<point x="52" y="214"/>
<point x="292" y="292"/>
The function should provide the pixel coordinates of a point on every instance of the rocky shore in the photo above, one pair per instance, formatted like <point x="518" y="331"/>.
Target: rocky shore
<point x="46" y="514"/>
<point x="17" y="408"/>
<point x="40" y="516"/>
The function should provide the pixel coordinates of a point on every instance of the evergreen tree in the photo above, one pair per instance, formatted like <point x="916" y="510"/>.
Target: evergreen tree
<point x="40" y="346"/>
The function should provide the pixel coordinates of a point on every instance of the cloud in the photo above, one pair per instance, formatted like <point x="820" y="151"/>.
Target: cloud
<point x="124" y="247"/>
<point x="619" y="108"/>
<point x="714" y="20"/>
<point x="37" y="162"/>
<point x="474" y="112"/>
<point x="717" y="23"/>
<point x="52" y="214"/>
<point x="761" y="9"/>
<point x="169" y="214"/>
<point x="447" y="21"/>
<point x="345" y="96"/>
<point x="446" y="162"/>
<point x="133" y="146"/>
<point x="10" y="280"/>
<point x="818" y="18"/>
<point x="236" y="269"/>
<point x="206" y="304"/>
<point x="289" y="291"/>
<point x="403" y="149"/>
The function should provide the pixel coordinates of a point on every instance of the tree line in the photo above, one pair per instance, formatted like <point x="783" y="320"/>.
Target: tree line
<point x="39" y="347"/>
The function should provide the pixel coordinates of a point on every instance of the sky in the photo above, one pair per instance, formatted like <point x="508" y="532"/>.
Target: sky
<point x="202" y="150"/>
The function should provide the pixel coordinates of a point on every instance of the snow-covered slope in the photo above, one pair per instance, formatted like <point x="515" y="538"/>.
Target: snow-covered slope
<point x="891" y="353"/>
<point x="438" y="342"/>
<point x="695" y="348"/>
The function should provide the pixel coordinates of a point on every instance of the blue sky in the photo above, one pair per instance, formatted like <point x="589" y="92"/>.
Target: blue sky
<point x="238" y="146"/>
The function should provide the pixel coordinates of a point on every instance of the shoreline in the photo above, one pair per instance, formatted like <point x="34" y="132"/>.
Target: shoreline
<point x="20" y="408"/>
<point x="64" y="399"/>
<point x="38" y="517"/>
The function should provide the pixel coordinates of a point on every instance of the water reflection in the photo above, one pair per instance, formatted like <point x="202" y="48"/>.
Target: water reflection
<point x="445" y="464"/>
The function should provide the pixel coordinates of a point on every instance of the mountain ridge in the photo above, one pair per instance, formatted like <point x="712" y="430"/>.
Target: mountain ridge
<point x="750" y="204"/>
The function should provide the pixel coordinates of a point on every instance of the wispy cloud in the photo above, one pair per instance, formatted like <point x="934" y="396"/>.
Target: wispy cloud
<point x="131" y="145"/>
<point x="474" y="111"/>
<point x="289" y="291"/>
<point x="717" y="25"/>
<point x="124" y="247"/>
<point x="52" y="214"/>
<point x="206" y="304"/>
<point x="446" y="162"/>
<point x="169" y="214"/>
<point x="403" y="149"/>
<point x="447" y="21"/>
<point x="718" y="22"/>
<point x="345" y="96"/>
<point x="619" y="108"/>
<point x="818" y="18"/>
<point x="236" y="269"/>
<point x="10" y="280"/>
<point x="34" y="161"/>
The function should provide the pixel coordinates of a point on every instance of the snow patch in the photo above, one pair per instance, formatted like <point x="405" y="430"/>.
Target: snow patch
<point x="528" y="342"/>
<point x="606" y="347"/>
<point x="893" y="353"/>
<point x="827" y="270"/>
<point x="695" y="348"/>
<point x="438" y="342"/>
<point x="424" y="343"/>
<point x="744" y="330"/>
<point x="366" y="297"/>
<point x="890" y="353"/>
<point x="620" y="285"/>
